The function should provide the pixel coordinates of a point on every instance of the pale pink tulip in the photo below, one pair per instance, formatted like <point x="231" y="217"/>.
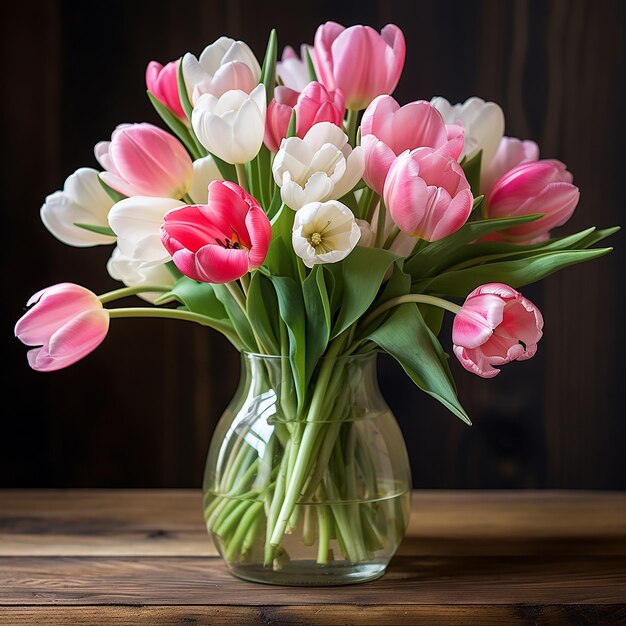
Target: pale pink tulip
<point x="144" y="160"/>
<point x="387" y="129"/>
<point x="162" y="83"/>
<point x="535" y="187"/>
<point x="511" y="153"/>
<point x="427" y="194"/>
<point x="359" y="61"/>
<point x="293" y="70"/>
<point x="66" y="322"/>
<point x="220" y="241"/>
<point x="496" y="325"/>
<point x="313" y="105"/>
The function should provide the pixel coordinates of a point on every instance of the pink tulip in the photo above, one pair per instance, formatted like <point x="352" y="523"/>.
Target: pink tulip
<point x="315" y="104"/>
<point x="144" y="160"/>
<point x="536" y="187"/>
<point x="387" y="129"/>
<point x="66" y="321"/>
<point x="427" y="194"/>
<point x="359" y="61"/>
<point x="511" y="152"/>
<point x="220" y="241"/>
<point x="496" y="325"/>
<point x="162" y="83"/>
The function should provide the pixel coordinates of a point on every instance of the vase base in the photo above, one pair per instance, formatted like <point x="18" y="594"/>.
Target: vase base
<point x="309" y="573"/>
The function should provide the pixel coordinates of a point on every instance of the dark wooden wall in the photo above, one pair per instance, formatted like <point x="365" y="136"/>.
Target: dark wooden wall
<point x="141" y="409"/>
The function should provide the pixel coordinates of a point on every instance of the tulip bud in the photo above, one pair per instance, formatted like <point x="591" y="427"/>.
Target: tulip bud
<point x="82" y="201"/>
<point x="359" y="61"/>
<point x="66" y="322"/>
<point x="535" y="187"/>
<point x="427" y="194"/>
<point x="225" y="65"/>
<point x="496" y="325"/>
<point x="144" y="160"/>
<point x="162" y="83"/>
<point x="232" y="126"/>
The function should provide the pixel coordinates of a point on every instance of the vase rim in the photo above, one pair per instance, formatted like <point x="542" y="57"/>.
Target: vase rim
<point x="343" y="357"/>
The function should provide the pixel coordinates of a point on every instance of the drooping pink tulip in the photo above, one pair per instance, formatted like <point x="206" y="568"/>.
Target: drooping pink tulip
<point x="162" y="83"/>
<point x="496" y="325"/>
<point x="387" y="129"/>
<point x="144" y="160"/>
<point x="535" y="187"/>
<point x="511" y="152"/>
<point x="359" y="61"/>
<point x="427" y="194"/>
<point x="220" y="241"/>
<point x="66" y="322"/>
<point x="313" y="105"/>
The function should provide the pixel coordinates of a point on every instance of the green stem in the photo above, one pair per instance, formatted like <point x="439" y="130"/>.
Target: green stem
<point x="188" y="199"/>
<point x="175" y="314"/>
<point x="395" y="231"/>
<point x="242" y="179"/>
<point x="411" y="297"/>
<point x="351" y="122"/>
<point x="380" y="224"/>
<point x="371" y="206"/>
<point x="116" y="294"/>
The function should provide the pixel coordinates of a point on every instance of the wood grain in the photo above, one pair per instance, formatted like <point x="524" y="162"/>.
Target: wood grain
<point x="71" y="557"/>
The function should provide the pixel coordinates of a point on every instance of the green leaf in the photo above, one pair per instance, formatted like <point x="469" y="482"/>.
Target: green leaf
<point x="430" y="260"/>
<point x="183" y="96"/>
<point x="227" y="170"/>
<point x="291" y="306"/>
<point x="291" y="129"/>
<point x="317" y="308"/>
<point x="471" y="168"/>
<point x="405" y="336"/>
<point x="101" y="230"/>
<point x="116" y="196"/>
<point x="262" y="307"/>
<point x="516" y="273"/>
<point x="268" y="71"/>
<point x="598" y="235"/>
<point x="280" y="256"/>
<point x="176" y="126"/>
<point x="310" y="65"/>
<point x="360" y="274"/>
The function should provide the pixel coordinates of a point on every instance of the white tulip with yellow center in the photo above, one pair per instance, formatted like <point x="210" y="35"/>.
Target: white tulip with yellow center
<point x="321" y="166"/>
<point x="324" y="232"/>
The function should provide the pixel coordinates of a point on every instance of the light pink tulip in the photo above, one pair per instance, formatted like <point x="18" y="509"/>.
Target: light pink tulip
<point x="511" y="152"/>
<point x="427" y="194"/>
<point x="315" y="104"/>
<point x="496" y="325"/>
<point x="66" y="322"/>
<point x="359" y="61"/>
<point x="536" y="187"/>
<point x="293" y="70"/>
<point x="162" y="83"/>
<point x="387" y="129"/>
<point x="144" y="160"/>
<point x="220" y="241"/>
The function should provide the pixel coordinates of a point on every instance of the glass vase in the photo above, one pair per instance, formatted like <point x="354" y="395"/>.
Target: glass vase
<point x="309" y="490"/>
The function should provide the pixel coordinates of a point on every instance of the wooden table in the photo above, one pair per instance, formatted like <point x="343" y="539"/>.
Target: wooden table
<point x="144" y="557"/>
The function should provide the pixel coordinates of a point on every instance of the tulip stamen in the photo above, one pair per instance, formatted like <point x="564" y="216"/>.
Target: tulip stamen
<point x="229" y="244"/>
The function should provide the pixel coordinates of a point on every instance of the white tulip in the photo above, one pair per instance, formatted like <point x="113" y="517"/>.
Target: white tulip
<point x="231" y="126"/>
<point x="321" y="166"/>
<point x="224" y="65"/>
<point x="82" y="201"/>
<point x="293" y="70"/>
<point x="324" y="232"/>
<point x="204" y="171"/>
<point x="134" y="273"/>
<point x="137" y="222"/>
<point x="483" y="123"/>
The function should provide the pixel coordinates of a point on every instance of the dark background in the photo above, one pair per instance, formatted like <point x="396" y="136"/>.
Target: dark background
<point x="139" y="412"/>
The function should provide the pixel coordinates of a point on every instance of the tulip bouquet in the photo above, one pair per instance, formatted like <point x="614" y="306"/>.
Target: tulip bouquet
<point x="298" y="209"/>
